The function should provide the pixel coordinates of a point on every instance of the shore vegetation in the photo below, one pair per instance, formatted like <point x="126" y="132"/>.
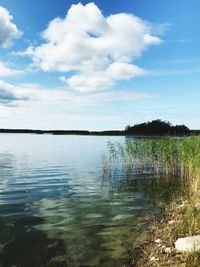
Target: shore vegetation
<point x="167" y="158"/>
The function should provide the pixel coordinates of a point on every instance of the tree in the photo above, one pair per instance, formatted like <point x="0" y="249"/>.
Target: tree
<point x="157" y="127"/>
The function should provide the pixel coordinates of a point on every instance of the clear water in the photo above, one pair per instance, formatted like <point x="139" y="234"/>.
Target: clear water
<point x="56" y="210"/>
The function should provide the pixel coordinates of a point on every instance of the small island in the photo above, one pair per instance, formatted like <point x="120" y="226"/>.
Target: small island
<point x="157" y="127"/>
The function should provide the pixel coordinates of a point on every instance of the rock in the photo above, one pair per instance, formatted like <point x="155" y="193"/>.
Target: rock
<point x="197" y="206"/>
<point x="158" y="241"/>
<point x="181" y="206"/>
<point x="162" y="249"/>
<point x="171" y="222"/>
<point x="188" y="244"/>
<point x="168" y="250"/>
<point x="154" y="259"/>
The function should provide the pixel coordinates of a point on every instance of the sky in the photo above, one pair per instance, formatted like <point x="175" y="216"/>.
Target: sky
<point x="99" y="65"/>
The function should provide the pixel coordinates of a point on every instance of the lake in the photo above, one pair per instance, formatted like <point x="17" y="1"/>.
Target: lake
<point x="57" y="208"/>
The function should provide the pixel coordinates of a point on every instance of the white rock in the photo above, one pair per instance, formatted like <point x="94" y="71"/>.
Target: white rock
<point x="162" y="249"/>
<point x="171" y="222"/>
<point x="188" y="244"/>
<point x="158" y="240"/>
<point x="168" y="250"/>
<point x="154" y="259"/>
<point x="181" y="206"/>
<point x="197" y="206"/>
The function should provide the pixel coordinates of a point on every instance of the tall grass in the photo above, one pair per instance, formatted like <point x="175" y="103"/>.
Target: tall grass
<point x="168" y="156"/>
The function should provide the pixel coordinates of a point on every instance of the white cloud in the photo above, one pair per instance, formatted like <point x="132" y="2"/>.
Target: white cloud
<point x="6" y="71"/>
<point x="59" y="96"/>
<point x="8" y="30"/>
<point x="99" y="50"/>
<point x="32" y="106"/>
<point x="9" y="94"/>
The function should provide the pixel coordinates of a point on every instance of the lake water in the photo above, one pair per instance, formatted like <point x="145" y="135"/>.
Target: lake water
<point x="57" y="210"/>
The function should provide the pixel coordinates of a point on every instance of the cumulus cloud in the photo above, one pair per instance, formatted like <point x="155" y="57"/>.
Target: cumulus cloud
<point x="8" y="94"/>
<point x="8" y="30"/>
<point x="6" y="71"/>
<point x="98" y="50"/>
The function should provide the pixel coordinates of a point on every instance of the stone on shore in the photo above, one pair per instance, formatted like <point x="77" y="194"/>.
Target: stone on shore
<point x="188" y="244"/>
<point x="154" y="259"/>
<point x="197" y="206"/>
<point x="168" y="250"/>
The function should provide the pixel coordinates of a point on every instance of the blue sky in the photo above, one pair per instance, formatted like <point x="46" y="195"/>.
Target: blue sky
<point x="98" y="65"/>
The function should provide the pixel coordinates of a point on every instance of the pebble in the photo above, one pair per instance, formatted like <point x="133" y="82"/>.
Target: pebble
<point x="168" y="250"/>
<point x="197" y="206"/>
<point x="171" y="222"/>
<point x="158" y="241"/>
<point x="181" y="206"/>
<point x="154" y="259"/>
<point x="162" y="249"/>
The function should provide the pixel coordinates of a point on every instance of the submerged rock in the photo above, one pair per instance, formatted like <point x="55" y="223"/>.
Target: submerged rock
<point x="188" y="244"/>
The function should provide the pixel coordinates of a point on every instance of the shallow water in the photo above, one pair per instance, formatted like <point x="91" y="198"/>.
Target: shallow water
<point x="57" y="210"/>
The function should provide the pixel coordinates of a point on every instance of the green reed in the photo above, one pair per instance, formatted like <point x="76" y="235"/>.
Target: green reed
<point x="168" y="156"/>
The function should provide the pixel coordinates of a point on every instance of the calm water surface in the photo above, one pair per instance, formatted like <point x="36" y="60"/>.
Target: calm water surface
<point x="57" y="210"/>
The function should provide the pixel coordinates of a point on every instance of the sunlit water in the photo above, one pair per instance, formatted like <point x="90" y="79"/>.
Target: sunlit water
<point x="57" y="210"/>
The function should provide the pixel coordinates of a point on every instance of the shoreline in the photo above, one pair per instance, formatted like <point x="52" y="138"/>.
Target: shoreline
<point x="159" y="247"/>
<point x="92" y="133"/>
<point x="174" y="239"/>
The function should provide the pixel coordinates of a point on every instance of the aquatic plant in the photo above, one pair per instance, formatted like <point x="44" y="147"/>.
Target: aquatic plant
<point x="163" y="156"/>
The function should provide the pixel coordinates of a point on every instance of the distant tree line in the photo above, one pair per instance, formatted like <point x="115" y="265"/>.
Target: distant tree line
<point x="157" y="127"/>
